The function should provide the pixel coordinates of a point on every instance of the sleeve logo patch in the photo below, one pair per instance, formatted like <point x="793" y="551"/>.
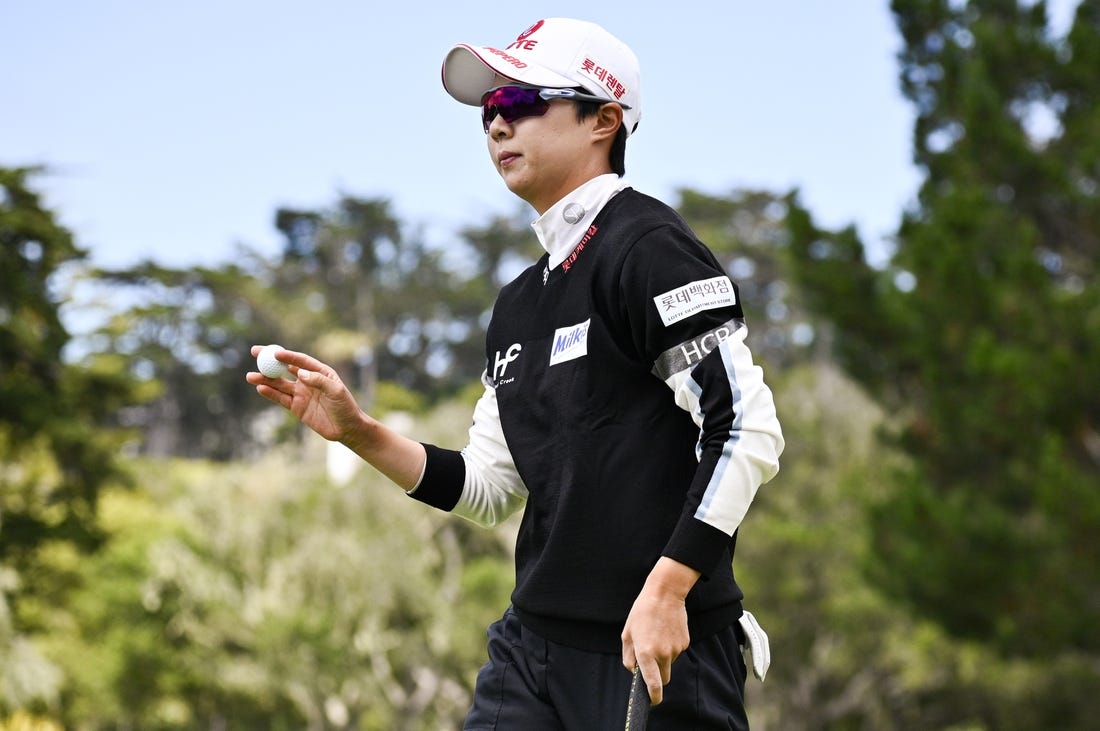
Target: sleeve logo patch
<point x="705" y="294"/>
<point x="570" y="342"/>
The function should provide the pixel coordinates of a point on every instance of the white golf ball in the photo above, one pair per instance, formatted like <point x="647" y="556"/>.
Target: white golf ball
<point x="265" y="361"/>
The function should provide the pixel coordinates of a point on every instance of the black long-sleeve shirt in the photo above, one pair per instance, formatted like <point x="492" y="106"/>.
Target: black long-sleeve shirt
<point x="623" y="407"/>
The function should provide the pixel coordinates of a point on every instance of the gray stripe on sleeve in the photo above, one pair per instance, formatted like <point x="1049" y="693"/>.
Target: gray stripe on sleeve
<point x="687" y="354"/>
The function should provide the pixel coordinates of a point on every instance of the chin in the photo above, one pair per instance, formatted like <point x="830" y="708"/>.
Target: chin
<point x="517" y="186"/>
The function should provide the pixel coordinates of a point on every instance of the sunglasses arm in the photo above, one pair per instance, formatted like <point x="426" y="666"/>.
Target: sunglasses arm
<point x="549" y="94"/>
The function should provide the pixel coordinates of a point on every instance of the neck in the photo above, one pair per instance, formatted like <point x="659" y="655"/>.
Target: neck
<point x="543" y="203"/>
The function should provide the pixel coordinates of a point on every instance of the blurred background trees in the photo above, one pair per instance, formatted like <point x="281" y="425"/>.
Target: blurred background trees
<point x="983" y="333"/>
<point x="55" y="457"/>
<point x="175" y="554"/>
<point x="351" y="286"/>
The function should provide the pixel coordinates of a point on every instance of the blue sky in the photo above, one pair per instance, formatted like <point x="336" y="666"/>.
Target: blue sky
<point x="174" y="130"/>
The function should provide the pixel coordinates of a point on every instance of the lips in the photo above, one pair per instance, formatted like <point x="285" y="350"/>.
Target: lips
<point x="507" y="158"/>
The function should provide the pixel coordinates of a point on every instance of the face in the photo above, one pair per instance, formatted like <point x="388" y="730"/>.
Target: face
<point x="543" y="158"/>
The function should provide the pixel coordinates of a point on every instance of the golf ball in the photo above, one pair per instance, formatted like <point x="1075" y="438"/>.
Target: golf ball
<point x="265" y="361"/>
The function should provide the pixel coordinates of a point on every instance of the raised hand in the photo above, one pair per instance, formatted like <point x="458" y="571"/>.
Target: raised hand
<point x="318" y="397"/>
<point x="322" y="402"/>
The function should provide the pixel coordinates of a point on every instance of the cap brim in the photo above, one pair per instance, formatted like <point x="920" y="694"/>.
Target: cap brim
<point x="469" y="72"/>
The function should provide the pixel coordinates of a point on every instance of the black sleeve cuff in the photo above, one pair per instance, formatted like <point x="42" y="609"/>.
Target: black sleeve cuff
<point x="697" y="545"/>
<point x="444" y="477"/>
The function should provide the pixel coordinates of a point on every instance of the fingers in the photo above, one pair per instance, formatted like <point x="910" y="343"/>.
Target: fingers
<point x="292" y="358"/>
<point x="300" y="365"/>
<point x="656" y="672"/>
<point x="296" y="360"/>
<point x="278" y="390"/>
<point x="630" y="660"/>
<point x="655" y="679"/>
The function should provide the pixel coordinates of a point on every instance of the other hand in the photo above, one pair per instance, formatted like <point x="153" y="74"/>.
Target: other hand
<point x="656" y="630"/>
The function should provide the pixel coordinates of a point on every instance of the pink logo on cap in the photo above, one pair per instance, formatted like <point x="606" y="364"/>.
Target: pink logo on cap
<point x="522" y="43"/>
<point x="530" y="30"/>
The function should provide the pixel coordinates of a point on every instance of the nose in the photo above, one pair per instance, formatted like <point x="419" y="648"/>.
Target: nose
<point x="499" y="128"/>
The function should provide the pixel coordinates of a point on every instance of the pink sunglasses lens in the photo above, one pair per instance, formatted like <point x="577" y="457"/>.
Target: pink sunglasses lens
<point x="511" y="103"/>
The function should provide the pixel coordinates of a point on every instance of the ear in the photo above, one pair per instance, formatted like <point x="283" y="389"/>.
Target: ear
<point x="606" y="122"/>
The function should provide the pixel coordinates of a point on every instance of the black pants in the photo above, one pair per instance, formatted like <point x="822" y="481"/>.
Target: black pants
<point x="530" y="684"/>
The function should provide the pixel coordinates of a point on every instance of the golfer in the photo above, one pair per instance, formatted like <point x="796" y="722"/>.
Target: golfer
<point x="622" y="413"/>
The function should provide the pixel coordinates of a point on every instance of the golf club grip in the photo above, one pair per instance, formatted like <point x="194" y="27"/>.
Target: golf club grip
<point x="637" y="709"/>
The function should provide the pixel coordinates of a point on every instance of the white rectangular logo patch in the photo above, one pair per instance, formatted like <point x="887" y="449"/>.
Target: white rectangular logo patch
<point x="570" y="342"/>
<point x="705" y="294"/>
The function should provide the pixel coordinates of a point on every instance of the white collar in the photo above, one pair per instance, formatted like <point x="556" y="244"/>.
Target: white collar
<point x="565" y="222"/>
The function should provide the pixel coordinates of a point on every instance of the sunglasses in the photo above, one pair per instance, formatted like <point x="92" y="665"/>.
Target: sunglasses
<point x="516" y="102"/>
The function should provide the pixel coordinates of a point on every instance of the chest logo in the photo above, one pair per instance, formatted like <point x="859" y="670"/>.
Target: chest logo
<point x="500" y="363"/>
<point x="570" y="342"/>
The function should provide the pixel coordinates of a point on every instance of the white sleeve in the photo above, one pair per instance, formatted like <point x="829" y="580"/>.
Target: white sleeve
<point x="492" y="490"/>
<point x="741" y="414"/>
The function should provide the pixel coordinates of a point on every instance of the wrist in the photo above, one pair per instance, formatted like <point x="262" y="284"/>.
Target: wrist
<point x="671" y="579"/>
<point x="397" y="457"/>
<point x="361" y="435"/>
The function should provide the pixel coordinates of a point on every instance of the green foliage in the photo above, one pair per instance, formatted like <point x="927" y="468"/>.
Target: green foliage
<point x="351" y="287"/>
<point x="44" y="405"/>
<point x="186" y="339"/>
<point x="390" y="396"/>
<point x="845" y="655"/>
<point x="747" y="232"/>
<point x="55" y="454"/>
<point x="33" y="246"/>
<point x="102" y="636"/>
<point x="983" y="333"/>
<point x="260" y="595"/>
<point x="392" y="307"/>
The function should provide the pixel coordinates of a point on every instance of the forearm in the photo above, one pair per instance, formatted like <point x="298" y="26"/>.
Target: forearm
<point x="396" y="456"/>
<point x="739" y="446"/>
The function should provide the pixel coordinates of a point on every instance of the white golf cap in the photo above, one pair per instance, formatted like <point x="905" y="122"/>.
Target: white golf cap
<point x="559" y="53"/>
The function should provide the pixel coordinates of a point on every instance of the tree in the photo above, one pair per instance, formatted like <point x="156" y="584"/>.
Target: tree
<point x="186" y="340"/>
<point x="747" y="232"/>
<point x="983" y="332"/>
<point x="845" y="654"/>
<point x="352" y="286"/>
<point x="395" y="308"/>
<point x="260" y="595"/>
<point x="55" y="451"/>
